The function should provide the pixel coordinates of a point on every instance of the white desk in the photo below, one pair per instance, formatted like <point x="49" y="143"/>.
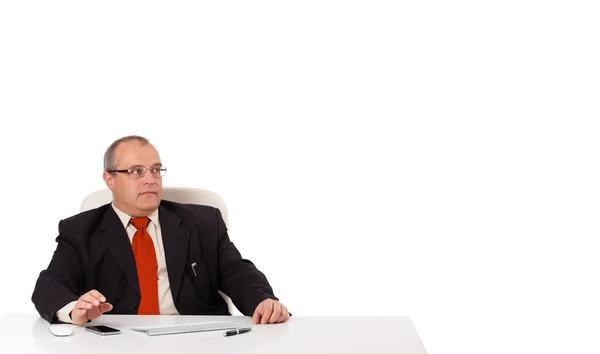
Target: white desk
<point x="29" y="334"/>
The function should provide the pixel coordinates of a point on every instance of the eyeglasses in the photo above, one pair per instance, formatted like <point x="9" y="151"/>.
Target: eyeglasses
<point x="139" y="172"/>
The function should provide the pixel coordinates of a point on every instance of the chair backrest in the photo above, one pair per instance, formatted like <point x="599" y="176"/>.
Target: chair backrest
<point x="174" y="194"/>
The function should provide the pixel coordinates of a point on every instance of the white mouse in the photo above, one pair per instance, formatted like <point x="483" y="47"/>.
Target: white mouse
<point x="60" y="331"/>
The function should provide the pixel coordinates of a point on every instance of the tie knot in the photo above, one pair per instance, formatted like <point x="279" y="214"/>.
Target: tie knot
<point x="139" y="223"/>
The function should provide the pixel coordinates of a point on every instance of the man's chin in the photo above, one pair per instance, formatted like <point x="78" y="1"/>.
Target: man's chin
<point x="149" y="205"/>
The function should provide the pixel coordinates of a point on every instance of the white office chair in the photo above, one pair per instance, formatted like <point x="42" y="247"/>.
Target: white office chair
<point x="174" y="194"/>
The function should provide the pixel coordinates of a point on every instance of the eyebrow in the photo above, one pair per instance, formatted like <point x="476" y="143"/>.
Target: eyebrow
<point x="158" y="164"/>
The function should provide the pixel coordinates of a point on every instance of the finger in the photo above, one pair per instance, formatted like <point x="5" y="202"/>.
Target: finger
<point x="89" y="297"/>
<point x="284" y="315"/>
<point x="95" y="293"/>
<point x="257" y="314"/>
<point x="267" y="313"/>
<point x="105" y="307"/>
<point x="94" y="313"/>
<point x="83" y="305"/>
<point x="276" y="312"/>
<point x="97" y="311"/>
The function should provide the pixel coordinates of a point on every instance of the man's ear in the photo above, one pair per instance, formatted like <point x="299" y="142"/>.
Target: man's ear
<point x="109" y="179"/>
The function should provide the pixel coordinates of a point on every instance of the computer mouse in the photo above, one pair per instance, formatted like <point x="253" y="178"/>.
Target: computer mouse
<point x="60" y="331"/>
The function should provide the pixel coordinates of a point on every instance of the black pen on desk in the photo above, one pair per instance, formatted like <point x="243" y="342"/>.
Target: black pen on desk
<point x="233" y="332"/>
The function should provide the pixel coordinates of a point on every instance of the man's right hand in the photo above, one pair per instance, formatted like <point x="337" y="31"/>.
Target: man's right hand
<point x="90" y="305"/>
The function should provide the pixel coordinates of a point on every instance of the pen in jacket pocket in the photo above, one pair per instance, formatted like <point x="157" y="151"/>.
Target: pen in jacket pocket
<point x="194" y="269"/>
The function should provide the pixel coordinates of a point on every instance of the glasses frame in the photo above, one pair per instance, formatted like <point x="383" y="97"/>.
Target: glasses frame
<point x="131" y="174"/>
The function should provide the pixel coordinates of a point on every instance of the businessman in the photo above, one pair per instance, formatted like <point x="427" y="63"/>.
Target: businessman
<point x="144" y="255"/>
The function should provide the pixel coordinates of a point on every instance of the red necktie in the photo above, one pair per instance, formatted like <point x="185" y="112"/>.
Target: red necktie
<point x="145" y="262"/>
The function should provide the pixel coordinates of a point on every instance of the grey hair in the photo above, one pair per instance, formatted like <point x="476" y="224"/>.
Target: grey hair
<point x="110" y="162"/>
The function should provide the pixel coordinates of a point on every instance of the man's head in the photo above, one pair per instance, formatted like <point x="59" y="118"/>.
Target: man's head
<point x="137" y="187"/>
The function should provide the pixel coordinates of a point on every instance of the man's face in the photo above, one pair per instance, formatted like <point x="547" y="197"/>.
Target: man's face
<point x="135" y="196"/>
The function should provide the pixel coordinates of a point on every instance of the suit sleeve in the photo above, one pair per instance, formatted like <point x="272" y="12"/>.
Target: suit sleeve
<point x="239" y="278"/>
<point x="62" y="281"/>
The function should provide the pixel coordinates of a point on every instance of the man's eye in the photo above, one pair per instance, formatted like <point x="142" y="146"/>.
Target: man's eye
<point x="136" y="171"/>
<point x="155" y="170"/>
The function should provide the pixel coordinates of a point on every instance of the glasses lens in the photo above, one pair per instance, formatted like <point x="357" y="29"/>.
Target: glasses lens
<point x="158" y="172"/>
<point x="136" y="173"/>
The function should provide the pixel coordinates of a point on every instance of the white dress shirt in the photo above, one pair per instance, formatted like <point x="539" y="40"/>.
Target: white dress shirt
<point x="166" y="306"/>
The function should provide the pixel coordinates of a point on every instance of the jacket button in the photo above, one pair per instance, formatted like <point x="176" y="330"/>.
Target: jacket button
<point x="133" y="306"/>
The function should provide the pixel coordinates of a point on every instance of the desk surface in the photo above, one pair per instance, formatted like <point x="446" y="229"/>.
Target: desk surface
<point x="29" y="334"/>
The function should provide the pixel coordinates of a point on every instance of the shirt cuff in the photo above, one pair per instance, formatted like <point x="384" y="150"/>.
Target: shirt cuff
<point x="64" y="314"/>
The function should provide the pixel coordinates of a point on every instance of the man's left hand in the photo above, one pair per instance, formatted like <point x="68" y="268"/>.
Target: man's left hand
<point x="270" y="311"/>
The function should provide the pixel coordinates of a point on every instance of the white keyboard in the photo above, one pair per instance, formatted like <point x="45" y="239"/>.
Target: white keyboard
<point x="186" y="327"/>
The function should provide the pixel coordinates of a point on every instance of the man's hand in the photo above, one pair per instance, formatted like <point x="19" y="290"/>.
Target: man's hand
<point x="90" y="305"/>
<point x="270" y="311"/>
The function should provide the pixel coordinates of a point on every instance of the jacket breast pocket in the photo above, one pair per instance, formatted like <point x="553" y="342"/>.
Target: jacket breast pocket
<point x="197" y="269"/>
<point x="198" y="274"/>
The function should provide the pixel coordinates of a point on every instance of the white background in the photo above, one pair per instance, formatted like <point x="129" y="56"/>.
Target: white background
<point x="437" y="160"/>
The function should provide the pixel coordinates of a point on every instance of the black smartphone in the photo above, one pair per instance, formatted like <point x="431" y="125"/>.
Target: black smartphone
<point x="102" y="330"/>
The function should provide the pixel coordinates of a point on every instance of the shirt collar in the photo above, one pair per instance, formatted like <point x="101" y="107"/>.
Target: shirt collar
<point x="125" y="218"/>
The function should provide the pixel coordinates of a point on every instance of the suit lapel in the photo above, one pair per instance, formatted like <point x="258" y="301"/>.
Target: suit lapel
<point x="176" y="242"/>
<point x="114" y="236"/>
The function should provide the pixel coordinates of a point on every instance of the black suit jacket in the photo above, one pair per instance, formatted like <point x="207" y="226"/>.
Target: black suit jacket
<point x="94" y="252"/>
